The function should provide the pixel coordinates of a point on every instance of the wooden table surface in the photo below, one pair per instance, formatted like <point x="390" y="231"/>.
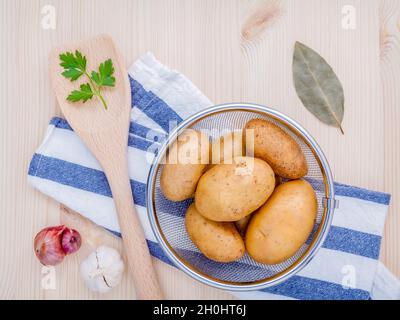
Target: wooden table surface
<point x="233" y="51"/>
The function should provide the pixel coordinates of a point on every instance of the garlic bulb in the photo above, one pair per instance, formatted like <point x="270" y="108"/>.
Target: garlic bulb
<point x="102" y="269"/>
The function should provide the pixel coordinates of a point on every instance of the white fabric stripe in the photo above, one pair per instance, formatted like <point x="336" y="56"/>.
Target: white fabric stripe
<point x="66" y="145"/>
<point x="360" y="215"/>
<point x="83" y="202"/>
<point x="73" y="150"/>
<point x="169" y="85"/>
<point x="334" y="266"/>
<point x="139" y="163"/>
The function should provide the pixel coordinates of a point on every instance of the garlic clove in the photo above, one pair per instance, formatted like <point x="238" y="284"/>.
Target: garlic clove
<point x="102" y="270"/>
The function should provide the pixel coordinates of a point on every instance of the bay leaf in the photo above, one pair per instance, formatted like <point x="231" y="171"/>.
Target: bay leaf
<point x="317" y="86"/>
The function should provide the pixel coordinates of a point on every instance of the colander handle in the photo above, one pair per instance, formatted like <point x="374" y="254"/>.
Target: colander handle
<point x="332" y="202"/>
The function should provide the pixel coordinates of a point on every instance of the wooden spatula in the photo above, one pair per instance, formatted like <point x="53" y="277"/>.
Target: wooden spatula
<point x="105" y="133"/>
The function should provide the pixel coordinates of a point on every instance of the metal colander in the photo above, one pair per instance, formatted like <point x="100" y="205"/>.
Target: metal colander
<point x="167" y="217"/>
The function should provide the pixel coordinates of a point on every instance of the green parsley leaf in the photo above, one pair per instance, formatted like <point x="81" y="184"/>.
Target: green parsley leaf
<point x="84" y="94"/>
<point x="73" y="74"/>
<point x="104" y="76"/>
<point x="74" y="65"/>
<point x="69" y="60"/>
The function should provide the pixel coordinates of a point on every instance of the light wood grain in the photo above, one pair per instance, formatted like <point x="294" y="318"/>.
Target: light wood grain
<point x="390" y="77"/>
<point x="233" y="51"/>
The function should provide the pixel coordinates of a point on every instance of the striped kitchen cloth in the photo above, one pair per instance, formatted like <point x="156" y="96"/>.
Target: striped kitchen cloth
<point x="346" y="267"/>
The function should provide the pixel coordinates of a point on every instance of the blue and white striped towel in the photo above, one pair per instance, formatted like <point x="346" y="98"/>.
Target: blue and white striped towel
<point x="345" y="268"/>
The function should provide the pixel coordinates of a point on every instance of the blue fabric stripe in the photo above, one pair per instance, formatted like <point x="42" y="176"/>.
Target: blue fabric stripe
<point x="360" y="193"/>
<point x="158" y="252"/>
<point x="354" y="192"/>
<point x="142" y="131"/>
<point x="303" y="288"/>
<point x="79" y="177"/>
<point x="160" y="112"/>
<point x="350" y="241"/>
<point x="60" y="123"/>
<point x="140" y="143"/>
<point x="138" y="130"/>
<point x="355" y="242"/>
<point x="92" y="180"/>
<point x="88" y="179"/>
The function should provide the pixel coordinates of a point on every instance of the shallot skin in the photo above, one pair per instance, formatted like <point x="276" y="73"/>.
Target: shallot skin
<point x="48" y="248"/>
<point x="71" y="241"/>
<point x="52" y="244"/>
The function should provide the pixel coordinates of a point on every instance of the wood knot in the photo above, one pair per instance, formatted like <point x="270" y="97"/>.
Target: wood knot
<point x="264" y="15"/>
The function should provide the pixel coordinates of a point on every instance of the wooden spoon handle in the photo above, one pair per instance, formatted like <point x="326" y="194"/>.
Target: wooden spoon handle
<point x="137" y="251"/>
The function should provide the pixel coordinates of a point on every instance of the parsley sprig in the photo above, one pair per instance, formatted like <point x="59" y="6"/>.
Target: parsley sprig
<point x="74" y="65"/>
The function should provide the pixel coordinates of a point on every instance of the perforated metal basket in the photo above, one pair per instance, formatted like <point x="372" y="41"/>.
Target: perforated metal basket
<point x="167" y="218"/>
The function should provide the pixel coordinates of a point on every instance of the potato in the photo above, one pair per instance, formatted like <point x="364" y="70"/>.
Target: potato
<point x="229" y="192"/>
<point x="276" y="147"/>
<point x="282" y="225"/>
<point x="218" y="241"/>
<point x="186" y="161"/>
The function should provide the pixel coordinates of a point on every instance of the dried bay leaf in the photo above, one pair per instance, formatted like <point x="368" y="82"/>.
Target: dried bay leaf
<point x="317" y="86"/>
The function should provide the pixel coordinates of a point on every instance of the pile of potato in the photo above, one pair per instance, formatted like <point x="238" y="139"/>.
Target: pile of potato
<point x="242" y="205"/>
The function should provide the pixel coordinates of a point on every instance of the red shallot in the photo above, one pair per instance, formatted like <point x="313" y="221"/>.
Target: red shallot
<point x="52" y="244"/>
